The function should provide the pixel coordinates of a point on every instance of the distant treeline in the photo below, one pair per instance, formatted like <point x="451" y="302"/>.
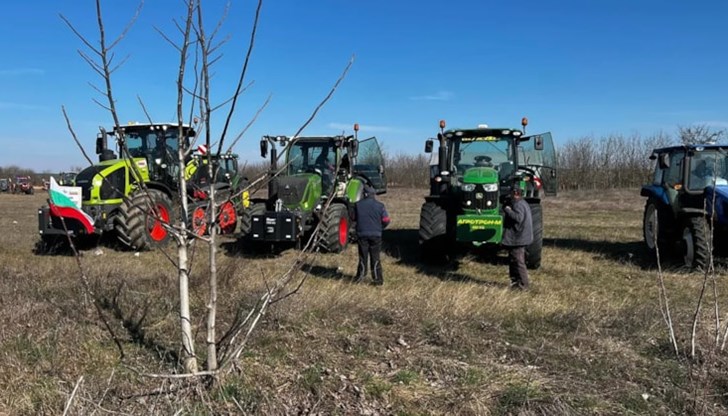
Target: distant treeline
<point x="614" y="161"/>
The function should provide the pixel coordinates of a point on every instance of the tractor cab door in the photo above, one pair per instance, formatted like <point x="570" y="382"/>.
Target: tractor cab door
<point x="370" y="164"/>
<point x="539" y="153"/>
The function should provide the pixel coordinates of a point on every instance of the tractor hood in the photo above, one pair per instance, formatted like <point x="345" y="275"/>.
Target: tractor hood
<point x="480" y="175"/>
<point x="720" y="193"/>
<point x="299" y="191"/>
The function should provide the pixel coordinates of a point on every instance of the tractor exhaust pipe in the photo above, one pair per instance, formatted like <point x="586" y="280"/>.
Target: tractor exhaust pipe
<point x="442" y="156"/>
<point x="101" y="148"/>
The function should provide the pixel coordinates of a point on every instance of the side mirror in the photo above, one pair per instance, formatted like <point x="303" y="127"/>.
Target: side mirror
<point x="538" y="142"/>
<point x="663" y="160"/>
<point x="354" y="149"/>
<point x="263" y="148"/>
<point x="380" y="169"/>
<point x="428" y="146"/>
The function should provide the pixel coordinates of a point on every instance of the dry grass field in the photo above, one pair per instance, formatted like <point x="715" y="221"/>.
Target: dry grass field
<point x="588" y="338"/>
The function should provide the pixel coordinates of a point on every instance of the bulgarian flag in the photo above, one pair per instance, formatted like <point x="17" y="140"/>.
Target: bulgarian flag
<point x="62" y="206"/>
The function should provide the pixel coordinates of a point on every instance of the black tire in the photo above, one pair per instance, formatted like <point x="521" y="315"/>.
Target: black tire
<point x="533" y="251"/>
<point x="433" y="232"/>
<point x="651" y="226"/>
<point x="246" y="218"/>
<point x="694" y="243"/>
<point x="136" y="224"/>
<point x="335" y="229"/>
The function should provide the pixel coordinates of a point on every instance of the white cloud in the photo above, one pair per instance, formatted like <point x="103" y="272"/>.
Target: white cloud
<point x="21" y="71"/>
<point x="438" y="96"/>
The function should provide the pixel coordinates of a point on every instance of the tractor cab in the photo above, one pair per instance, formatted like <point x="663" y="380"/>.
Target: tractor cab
<point x="687" y="198"/>
<point x="496" y="159"/>
<point x="66" y="178"/>
<point x="153" y="146"/>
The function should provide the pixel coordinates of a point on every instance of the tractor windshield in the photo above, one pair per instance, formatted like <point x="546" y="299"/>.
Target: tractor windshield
<point x="148" y="142"/>
<point x="309" y="156"/>
<point x="480" y="152"/>
<point x="706" y="167"/>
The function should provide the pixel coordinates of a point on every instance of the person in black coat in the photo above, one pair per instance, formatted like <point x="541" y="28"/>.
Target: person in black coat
<point x="371" y="218"/>
<point x="517" y="234"/>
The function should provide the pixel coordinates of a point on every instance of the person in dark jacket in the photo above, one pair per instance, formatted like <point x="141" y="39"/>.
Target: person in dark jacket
<point x="371" y="218"/>
<point x="517" y="234"/>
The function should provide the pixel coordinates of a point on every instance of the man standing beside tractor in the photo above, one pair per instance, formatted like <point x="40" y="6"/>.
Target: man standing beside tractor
<point x="371" y="218"/>
<point x="517" y="234"/>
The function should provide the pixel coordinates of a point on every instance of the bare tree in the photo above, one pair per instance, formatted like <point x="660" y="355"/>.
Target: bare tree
<point x="197" y="54"/>
<point x="699" y="134"/>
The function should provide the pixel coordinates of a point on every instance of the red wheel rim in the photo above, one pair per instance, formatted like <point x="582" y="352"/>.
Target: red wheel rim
<point x="227" y="218"/>
<point x="343" y="231"/>
<point x="157" y="231"/>
<point x="199" y="223"/>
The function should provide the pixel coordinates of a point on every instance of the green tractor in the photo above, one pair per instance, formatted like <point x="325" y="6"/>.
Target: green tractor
<point x="111" y="196"/>
<point x="66" y="178"/>
<point x="471" y="175"/>
<point x="321" y="179"/>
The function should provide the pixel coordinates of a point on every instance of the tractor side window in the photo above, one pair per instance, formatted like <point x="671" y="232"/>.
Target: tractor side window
<point x="657" y="177"/>
<point x="704" y="169"/>
<point x="295" y="160"/>
<point x="673" y="174"/>
<point x="135" y="144"/>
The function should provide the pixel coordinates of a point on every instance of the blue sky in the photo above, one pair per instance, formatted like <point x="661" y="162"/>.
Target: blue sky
<point x="576" y="68"/>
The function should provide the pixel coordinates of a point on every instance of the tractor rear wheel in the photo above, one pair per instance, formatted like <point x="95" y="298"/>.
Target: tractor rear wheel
<point x="139" y="224"/>
<point x="695" y="244"/>
<point x="533" y="251"/>
<point x="335" y="229"/>
<point x="433" y="232"/>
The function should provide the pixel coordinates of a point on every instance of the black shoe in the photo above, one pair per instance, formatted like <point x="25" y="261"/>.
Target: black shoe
<point x="377" y="283"/>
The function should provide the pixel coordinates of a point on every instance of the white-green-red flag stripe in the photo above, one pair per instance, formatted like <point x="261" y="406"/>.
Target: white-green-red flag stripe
<point x="62" y="206"/>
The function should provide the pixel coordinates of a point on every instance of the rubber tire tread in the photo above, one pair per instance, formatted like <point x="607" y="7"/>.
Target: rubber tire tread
<point x="533" y="250"/>
<point x="329" y="241"/>
<point x="433" y="232"/>
<point x="130" y="222"/>
<point x="701" y="252"/>
<point x="246" y="218"/>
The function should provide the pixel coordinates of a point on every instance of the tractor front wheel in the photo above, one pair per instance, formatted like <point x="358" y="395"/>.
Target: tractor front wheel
<point x="433" y="232"/>
<point x="198" y="218"/>
<point x="335" y="229"/>
<point x="140" y="224"/>
<point x="533" y="251"/>
<point x="695" y="244"/>
<point x="246" y="218"/>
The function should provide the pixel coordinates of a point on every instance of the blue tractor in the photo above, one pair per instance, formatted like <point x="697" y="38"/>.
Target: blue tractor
<point x="687" y="203"/>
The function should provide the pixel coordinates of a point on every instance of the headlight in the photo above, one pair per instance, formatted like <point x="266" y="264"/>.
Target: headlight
<point x="491" y="187"/>
<point x="469" y="187"/>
